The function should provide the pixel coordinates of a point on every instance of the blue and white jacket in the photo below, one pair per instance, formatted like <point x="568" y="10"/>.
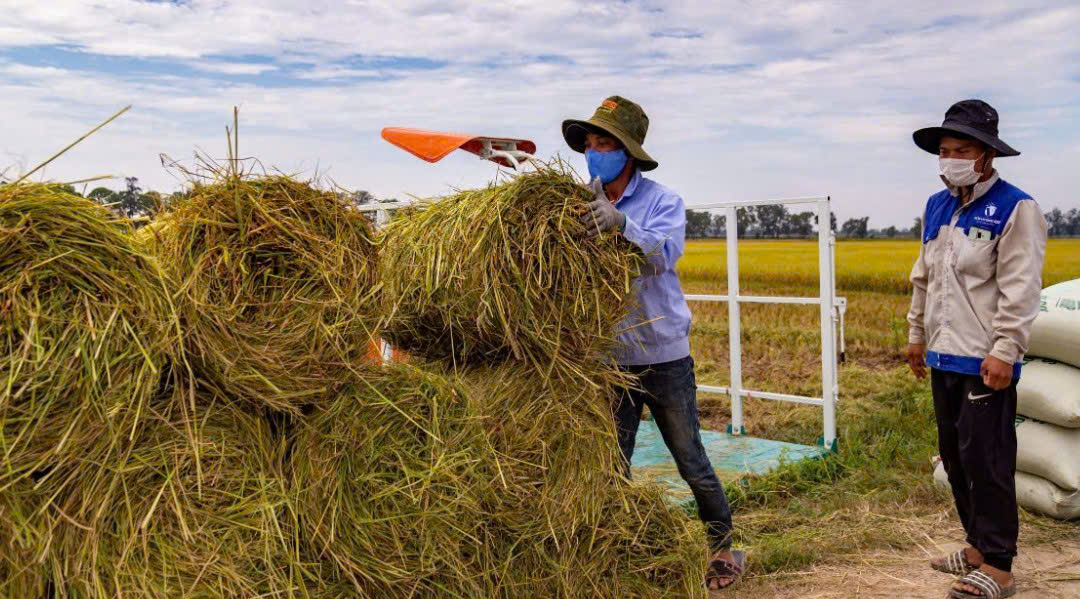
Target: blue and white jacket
<point x="978" y="277"/>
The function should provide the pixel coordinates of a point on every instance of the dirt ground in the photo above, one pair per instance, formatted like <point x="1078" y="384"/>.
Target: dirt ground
<point x="1048" y="571"/>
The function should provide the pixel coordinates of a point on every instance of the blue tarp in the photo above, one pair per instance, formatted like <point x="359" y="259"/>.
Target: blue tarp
<point x="731" y="456"/>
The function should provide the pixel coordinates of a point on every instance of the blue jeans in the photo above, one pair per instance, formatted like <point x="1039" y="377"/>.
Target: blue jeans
<point x="670" y="391"/>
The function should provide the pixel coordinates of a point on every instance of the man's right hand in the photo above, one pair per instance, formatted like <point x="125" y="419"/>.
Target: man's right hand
<point x="916" y="359"/>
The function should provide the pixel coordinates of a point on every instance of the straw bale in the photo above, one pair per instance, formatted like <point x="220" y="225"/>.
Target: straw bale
<point x="85" y="330"/>
<point x="424" y="482"/>
<point x="199" y="508"/>
<point x="276" y="286"/>
<point x="394" y="479"/>
<point x="573" y="526"/>
<point x="505" y="272"/>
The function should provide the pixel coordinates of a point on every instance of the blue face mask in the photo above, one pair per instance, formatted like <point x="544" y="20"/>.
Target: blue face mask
<point x="606" y="165"/>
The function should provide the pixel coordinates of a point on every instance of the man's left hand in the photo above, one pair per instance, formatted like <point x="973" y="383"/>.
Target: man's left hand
<point x="996" y="374"/>
<point x="602" y="215"/>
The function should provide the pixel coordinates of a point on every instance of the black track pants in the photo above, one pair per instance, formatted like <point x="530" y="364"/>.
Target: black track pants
<point x="977" y="441"/>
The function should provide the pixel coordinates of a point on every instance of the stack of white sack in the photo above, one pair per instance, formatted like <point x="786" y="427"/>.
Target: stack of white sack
<point x="1048" y="404"/>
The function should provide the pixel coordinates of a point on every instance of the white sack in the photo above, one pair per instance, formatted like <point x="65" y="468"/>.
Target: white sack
<point x="1049" y="391"/>
<point x="1056" y="332"/>
<point x="1035" y="494"/>
<point x="1049" y="452"/>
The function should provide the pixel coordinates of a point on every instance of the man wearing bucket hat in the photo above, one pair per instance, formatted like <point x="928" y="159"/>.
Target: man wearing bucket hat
<point x="976" y="293"/>
<point x="655" y="340"/>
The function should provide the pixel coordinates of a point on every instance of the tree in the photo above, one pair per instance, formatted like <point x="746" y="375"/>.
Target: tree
<point x="800" y="224"/>
<point x="746" y="218"/>
<point x="1073" y="219"/>
<point x="771" y="219"/>
<point x="1057" y="223"/>
<point x="697" y="223"/>
<point x="132" y="201"/>
<point x="102" y="195"/>
<point x="69" y="188"/>
<point x="855" y="227"/>
<point x="891" y="232"/>
<point x="916" y="228"/>
<point x="718" y="226"/>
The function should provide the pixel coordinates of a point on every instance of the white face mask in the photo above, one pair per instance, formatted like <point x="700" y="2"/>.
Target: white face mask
<point x="958" y="171"/>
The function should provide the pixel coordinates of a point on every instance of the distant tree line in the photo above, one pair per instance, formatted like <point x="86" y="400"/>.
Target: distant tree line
<point x="776" y="222"/>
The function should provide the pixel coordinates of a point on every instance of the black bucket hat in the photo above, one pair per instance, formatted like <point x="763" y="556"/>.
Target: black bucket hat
<point x="972" y="118"/>
<point x="619" y="118"/>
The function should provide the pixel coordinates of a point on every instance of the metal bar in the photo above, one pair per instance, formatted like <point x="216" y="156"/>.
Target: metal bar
<point x="378" y="206"/>
<point x="826" y="265"/>
<point x="734" y="320"/>
<point x="716" y="205"/>
<point x="491" y="154"/>
<point x="712" y="389"/>
<point x="813" y="401"/>
<point x="759" y="299"/>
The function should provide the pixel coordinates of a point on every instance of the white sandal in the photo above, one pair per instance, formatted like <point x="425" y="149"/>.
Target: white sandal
<point x="985" y="583"/>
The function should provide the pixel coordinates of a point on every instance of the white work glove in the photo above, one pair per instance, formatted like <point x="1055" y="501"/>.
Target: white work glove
<point x="602" y="215"/>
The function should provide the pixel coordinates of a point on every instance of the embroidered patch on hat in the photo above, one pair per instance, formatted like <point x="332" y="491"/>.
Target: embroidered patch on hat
<point x="608" y="106"/>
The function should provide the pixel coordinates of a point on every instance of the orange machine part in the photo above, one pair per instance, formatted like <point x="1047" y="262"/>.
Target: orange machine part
<point x="433" y="146"/>
<point x="374" y="353"/>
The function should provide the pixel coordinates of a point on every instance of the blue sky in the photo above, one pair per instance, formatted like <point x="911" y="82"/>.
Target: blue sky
<point x="747" y="100"/>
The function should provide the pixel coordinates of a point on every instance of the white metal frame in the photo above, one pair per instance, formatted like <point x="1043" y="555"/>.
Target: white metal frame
<point x="832" y="309"/>
<point x="504" y="148"/>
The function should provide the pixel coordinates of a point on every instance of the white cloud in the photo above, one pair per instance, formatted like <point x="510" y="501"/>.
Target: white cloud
<point x="774" y="98"/>
<point x="234" y="68"/>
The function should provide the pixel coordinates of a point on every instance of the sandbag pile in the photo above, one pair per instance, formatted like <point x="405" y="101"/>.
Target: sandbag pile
<point x="1048" y="404"/>
<point x="1048" y="408"/>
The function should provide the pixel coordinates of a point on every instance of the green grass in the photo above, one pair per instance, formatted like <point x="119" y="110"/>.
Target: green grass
<point x="876" y="492"/>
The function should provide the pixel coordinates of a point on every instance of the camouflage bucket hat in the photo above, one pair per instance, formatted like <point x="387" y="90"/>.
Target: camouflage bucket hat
<point x="620" y="118"/>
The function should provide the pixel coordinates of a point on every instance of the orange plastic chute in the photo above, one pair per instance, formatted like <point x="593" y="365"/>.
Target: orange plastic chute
<point x="433" y="146"/>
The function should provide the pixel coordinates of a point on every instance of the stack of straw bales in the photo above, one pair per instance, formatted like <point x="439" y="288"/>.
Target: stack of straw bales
<point x="499" y="287"/>
<point x="188" y="411"/>
<point x="86" y="331"/>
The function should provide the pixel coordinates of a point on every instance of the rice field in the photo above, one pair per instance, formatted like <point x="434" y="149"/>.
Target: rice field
<point x="780" y="342"/>
<point x="876" y="492"/>
<point x="879" y="266"/>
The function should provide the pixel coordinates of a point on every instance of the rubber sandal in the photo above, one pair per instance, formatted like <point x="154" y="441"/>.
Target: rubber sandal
<point x="955" y="564"/>
<point x="722" y="568"/>
<point x="985" y="583"/>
